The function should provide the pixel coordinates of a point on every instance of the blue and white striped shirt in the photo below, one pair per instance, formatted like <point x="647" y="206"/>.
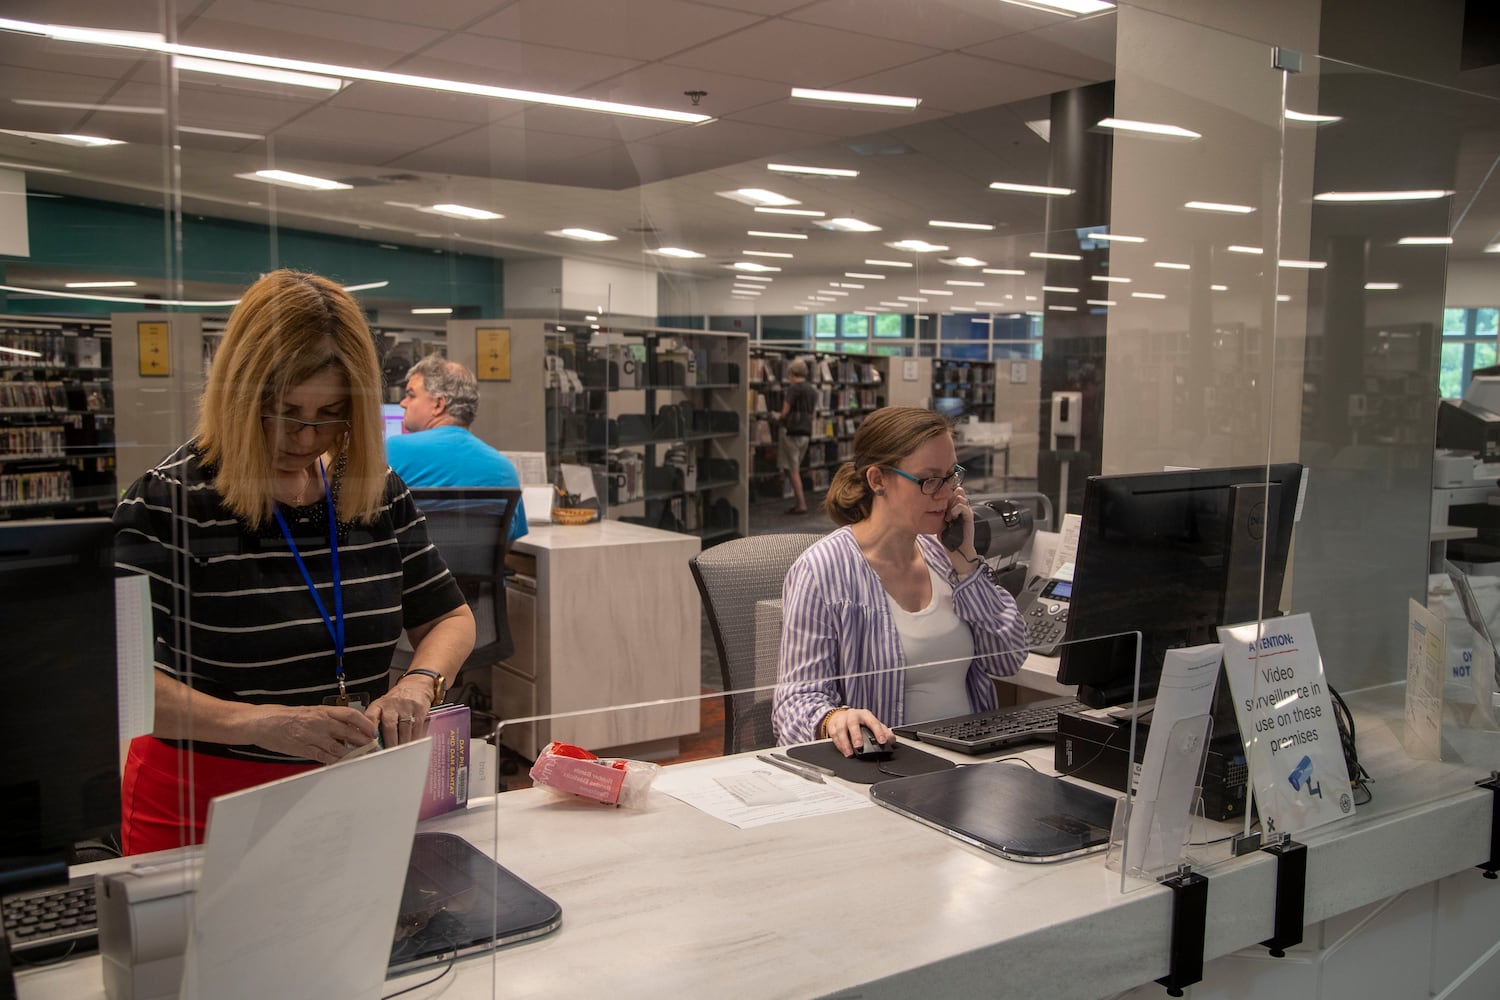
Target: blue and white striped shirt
<point x="839" y="644"/>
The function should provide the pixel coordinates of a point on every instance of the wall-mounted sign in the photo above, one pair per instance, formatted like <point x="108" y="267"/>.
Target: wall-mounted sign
<point x="155" y="349"/>
<point x="1018" y="373"/>
<point x="492" y="354"/>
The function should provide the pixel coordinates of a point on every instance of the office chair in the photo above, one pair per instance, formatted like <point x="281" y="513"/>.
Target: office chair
<point x="471" y="528"/>
<point x="733" y="577"/>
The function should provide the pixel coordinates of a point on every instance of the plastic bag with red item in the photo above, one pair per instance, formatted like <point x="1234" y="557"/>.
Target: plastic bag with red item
<point x="569" y="771"/>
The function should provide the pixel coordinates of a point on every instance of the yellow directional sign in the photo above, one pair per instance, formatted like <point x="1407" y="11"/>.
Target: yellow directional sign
<point x="492" y="354"/>
<point x="155" y="349"/>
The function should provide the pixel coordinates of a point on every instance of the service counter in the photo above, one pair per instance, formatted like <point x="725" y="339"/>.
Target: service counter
<point x="602" y="614"/>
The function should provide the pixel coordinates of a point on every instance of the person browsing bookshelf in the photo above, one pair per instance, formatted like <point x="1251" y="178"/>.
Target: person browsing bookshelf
<point x="797" y="411"/>
<point x="284" y="560"/>
<point x="881" y="624"/>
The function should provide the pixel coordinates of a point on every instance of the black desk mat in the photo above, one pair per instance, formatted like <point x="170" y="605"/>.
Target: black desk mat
<point x="904" y="762"/>
<point x="1007" y="809"/>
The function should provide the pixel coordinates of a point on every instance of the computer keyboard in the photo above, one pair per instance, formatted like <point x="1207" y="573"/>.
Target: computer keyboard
<point x="1033" y="722"/>
<point x="47" y="922"/>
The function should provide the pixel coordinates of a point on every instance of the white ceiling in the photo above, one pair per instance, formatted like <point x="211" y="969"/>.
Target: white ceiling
<point x="982" y="68"/>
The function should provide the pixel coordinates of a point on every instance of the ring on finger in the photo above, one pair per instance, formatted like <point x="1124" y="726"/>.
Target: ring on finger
<point x="406" y="720"/>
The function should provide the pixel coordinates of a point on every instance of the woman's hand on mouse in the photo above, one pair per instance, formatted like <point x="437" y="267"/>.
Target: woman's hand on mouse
<point x="843" y="729"/>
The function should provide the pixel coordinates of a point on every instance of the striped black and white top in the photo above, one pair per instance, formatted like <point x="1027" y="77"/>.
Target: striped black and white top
<point x="231" y="613"/>
<point x="840" y="644"/>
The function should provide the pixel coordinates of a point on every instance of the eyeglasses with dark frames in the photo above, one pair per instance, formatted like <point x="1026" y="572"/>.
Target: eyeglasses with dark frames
<point x="291" y="425"/>
<point x="933" y="485"/>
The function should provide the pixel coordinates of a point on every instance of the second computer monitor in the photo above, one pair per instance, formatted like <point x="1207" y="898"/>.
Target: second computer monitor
<point x="1172" y="555"/>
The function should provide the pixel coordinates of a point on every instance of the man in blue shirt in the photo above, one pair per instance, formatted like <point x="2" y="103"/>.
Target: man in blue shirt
<point x="437" y="448"/>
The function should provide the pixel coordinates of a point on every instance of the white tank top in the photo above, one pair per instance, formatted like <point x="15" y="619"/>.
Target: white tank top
<point x="937" y="648"/>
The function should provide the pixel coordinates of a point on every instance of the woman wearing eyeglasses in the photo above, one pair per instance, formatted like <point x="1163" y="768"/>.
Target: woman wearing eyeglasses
<point x="881" y="625"/>
<point x="284" y="560"/>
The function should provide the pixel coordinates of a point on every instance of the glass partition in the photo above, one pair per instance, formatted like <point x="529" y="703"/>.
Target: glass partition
<point x="1122" y="244"/>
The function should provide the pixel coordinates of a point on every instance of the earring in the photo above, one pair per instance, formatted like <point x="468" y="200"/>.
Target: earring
<point x="880" y="493"/>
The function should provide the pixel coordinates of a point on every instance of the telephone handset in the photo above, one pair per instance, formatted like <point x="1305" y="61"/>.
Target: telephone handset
<point x="1044" y="608"/>
<point x="953" y="534"/>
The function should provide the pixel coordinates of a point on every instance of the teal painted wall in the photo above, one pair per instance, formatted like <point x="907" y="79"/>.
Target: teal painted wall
<point x="125" y="241"/>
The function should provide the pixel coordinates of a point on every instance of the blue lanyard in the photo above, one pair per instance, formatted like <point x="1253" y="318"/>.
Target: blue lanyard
<point x="335" y="626"/>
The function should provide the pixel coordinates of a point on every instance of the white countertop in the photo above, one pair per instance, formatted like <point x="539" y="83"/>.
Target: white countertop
<point x="550" y="537"/>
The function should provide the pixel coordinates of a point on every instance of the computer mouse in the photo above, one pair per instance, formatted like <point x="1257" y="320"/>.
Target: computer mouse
<point x="869" y="749"/>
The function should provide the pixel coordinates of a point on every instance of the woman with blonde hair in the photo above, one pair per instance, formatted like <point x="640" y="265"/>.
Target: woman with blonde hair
<point x="882" y="625"/>
<point x="284" y="560"/>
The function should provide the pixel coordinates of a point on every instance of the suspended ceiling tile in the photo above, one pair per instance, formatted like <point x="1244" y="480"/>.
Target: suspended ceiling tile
<point x="290" y="32"/>
<point x="942" y="24"/>
<point x="956" y="82"/>
<point x="503" y="63"/>
<point x="591" y="124"/>
<point x="469" y="108"/>
<point x="831" y="120"/>
<point x="499" y="151"/>
<point x="665" y="85"/>
<point x="1083" y="49"/>
<point x="388" y="135"/>
<point x="87" y="13"/>
<point x="221" y="107"/>
<point x="448" y="15"/>
<point x="769" y="8"/>
<point x="800" y="55"/>
<point x="634" y="31"/>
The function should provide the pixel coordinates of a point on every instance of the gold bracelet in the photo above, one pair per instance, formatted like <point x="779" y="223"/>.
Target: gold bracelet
<point x="823" y="725"/>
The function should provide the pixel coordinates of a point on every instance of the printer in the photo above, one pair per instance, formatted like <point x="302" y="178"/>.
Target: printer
<point x="1466" y="471"/>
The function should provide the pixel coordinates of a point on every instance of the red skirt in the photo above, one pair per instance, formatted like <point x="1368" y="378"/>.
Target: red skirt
<point x="165" y="792"/>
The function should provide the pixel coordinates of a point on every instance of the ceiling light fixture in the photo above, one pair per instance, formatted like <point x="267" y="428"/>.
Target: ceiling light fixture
<point x="1227" y="208"/>
<point x="964" y="261"/>
<point x="149" y="42"/>
<point x="1072" y="8"/>
<point x="792" y="168"/>
<point x="291" y="78"/>
<point x="1005" y="270"/>
<point x="1425" y="241"/>
<point x="888" y="263"/>
<point x="433" y="311"/>
<point x="847" y="225"/>
<point x="753" y="277"/>
<point x="1048" y="255"/>
<point x="65" y="138"/>
<point x="301" y="182"/>
<point x="1218" y="288"/>
<point x="775" y="235"/>
<point x="1378" y="197"/>
<point x="934" y="291"/>
<point x="982" y="302"/>
<point x="1492" y="248"/>
<point x="677" y="252"/>
<point x="1030" y="188"/>
<point x="773" y="210"/>
<point x="916" y="246"/>
<point x="911" y="298"/>
<point x="758" y="196"/>
<point x="1311" y="119"/>
<point x="1070" y="309"/>
<point x="1101" y="302"/>
<point x="1060" y="288"/>
<point x="1149" y="128"/>
<point x="863" y="274"/>
<point x="1382" y="286"/>
<point x="1147" y="295"/>
<point x="767" y="253"/>
<point x="1240" y="248"/>
<point x="465" y="212"/>
<point x="854" y="97"/>
<point x="582" y="235"/>
<point x="98" y="284"/>
<point x="965" y="284"/>
<point x="1109" y="277"/>
<point x="1303" y="265"/>
<point x="750" y="265"/>
<point x="942" y="224"/>
<point x="1172" y="265"/>
<point x="1116" y="238"/>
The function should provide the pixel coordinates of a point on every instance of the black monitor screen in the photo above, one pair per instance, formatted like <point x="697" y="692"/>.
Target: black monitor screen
<point x="60" y="756"/>
<point x="1172" y="555"/>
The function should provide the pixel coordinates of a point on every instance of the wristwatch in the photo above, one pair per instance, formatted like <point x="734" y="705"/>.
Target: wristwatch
<point x="439" y="683"/>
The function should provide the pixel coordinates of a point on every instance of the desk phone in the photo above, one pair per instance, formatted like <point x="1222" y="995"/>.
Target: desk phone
<point x="1044" y="606"/>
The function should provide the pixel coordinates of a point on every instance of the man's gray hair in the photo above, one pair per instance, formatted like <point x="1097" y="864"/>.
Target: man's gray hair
<point x="798" y="367"/>
<point x="453" y="382"/>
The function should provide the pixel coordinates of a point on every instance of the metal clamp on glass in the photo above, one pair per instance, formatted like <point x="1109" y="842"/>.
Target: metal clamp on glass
<point x="1291" y="892"/>
<point x="1491" y="866"/>
<point x="1189" y="917"/>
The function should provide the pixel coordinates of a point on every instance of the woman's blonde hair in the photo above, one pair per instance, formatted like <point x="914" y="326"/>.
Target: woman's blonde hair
<point x="288" y="327"/>
<point x="886" y="437"/>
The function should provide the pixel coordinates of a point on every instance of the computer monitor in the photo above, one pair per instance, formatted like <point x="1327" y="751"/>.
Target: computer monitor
<point x="1172" y="555"/>
<point x="60" y="757"/>
<point x="390" y="415"/>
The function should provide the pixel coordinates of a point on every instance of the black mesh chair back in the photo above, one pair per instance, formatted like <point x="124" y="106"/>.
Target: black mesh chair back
<point x="735" y="578"/>
<point x="471" y="528"/>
